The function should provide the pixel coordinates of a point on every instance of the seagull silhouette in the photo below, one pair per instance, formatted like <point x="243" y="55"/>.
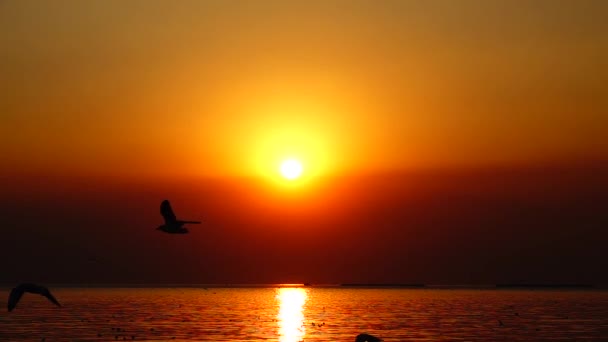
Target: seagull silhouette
<point x="17" y="292"/>
<point x="367" y="338"/>
<point x="172" y="224"/>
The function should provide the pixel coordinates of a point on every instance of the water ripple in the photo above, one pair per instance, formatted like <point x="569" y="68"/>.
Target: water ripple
<point x="323" y="314"/>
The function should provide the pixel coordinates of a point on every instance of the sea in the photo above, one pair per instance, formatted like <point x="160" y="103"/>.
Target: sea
<point x="298" y="313"/>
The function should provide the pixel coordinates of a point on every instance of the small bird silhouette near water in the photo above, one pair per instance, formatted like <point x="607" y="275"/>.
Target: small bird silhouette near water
<point x="172" y="224"/>
<point x="367" y="338"/>
<point x="18" y="291"/>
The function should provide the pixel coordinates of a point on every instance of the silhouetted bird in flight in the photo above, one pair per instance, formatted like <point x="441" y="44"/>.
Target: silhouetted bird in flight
<point x="18" y="291"/>
<point x="172" y="224"/>
<point x="367" y="338"/>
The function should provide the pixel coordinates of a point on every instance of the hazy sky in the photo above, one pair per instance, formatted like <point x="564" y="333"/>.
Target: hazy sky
<point x="441" y="141"/>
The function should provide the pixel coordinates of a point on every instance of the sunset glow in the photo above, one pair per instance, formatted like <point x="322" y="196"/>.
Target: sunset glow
<point x="291" y="169"/>
<point x="324" y="141"/>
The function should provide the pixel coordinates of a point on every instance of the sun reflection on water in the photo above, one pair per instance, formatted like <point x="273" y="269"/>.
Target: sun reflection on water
<point x="291" y="314"/>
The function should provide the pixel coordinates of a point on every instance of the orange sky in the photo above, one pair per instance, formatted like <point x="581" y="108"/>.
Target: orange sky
<point x="219" y="88"/>
<point x="426" y="128"/>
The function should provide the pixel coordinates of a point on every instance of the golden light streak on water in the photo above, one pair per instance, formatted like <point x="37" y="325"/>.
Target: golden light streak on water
<point x="291" y="314"/>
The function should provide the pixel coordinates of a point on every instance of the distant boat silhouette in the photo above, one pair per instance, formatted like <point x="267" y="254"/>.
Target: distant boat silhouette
<point x="172" y="224"/>
<point x="18" y="291"/>
<point x="367" y="338"/>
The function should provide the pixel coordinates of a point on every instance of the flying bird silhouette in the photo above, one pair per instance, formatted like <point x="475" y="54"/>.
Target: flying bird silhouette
<point x="172" y="224"/>
<point x="367" y="338"/>
<point x="17" y="293"/>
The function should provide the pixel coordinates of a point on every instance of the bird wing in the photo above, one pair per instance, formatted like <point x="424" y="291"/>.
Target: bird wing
<point x="13" y="297"/>
<point x="50" y="297"/>
<point x="167" y="212"/>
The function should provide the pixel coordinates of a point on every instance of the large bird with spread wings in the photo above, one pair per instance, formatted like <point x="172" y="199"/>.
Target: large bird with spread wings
<point x="172" y="224"/>
<point x="18" y="291"/>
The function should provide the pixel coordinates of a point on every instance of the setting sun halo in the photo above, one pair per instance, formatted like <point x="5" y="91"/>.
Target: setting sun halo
<point x="291" y="169"/>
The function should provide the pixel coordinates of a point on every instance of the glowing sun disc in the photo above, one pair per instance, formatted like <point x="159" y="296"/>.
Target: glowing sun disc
<point x="291" y="169"/>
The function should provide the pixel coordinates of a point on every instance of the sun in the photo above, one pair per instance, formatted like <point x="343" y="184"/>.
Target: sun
<point x="291" y="169"/>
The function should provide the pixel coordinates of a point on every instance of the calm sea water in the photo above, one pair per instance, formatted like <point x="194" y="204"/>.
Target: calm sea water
<point x="307" y="314"/>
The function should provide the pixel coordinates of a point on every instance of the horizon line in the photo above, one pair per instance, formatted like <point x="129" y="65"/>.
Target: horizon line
<point x="324" y="285"/>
